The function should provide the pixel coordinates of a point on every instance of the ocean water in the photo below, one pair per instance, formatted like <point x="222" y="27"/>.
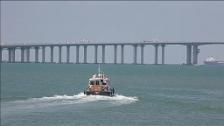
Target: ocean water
<point x="147" y="95"/>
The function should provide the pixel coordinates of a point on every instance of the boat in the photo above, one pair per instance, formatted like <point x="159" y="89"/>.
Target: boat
<point x="99" y="84"/>
<point x="212" y="61"/>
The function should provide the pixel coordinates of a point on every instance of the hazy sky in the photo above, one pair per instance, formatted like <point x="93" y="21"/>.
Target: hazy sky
<point x="54" y="22"/>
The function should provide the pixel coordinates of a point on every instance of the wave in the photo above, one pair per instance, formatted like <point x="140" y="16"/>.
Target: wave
<point x="57" y="102"/>
<point x="60" y="100"/>
<point x="82" y="98"/>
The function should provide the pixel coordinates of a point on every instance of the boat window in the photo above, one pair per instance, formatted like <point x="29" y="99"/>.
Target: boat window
<point x="101" y="82"/>
<point x="97" y="82"/>
<point x="91" y="82"/>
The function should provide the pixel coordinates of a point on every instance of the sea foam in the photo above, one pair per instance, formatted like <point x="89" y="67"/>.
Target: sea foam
<point x="82" y="98"/>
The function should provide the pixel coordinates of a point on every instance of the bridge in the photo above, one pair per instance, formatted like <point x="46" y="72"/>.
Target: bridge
<point x="192" y="51"/>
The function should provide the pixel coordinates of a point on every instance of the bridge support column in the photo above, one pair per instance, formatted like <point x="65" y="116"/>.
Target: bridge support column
<point x="156" y="54"/>
<point x="135" y="54"/>
<point x="1" y="49"/>
<point x="28" y="54"/>
<point x="36" y="54"/>
<point x="103" y="54"/>
<point x="122" y="54"/>
<point x="77" y="54"/>
<point x="188" y="57"/>
<point x="85" y="54"/>
<point x="13" y="55"/>
<point x="43" y="54"/>
<point x="22" y="54"/>
<point x="52" y="53"/>
<point x="96" y="51"/>
<point x="115" y="54"/>
<point x="142" y="54"/>
<point x="68" y="54"/>
<point x="59" y="55"/>
<point x="163" y="53"/>
<point x="195" y="54"/>
<point x="1" y="54"/>
<point x="9" y="55"/>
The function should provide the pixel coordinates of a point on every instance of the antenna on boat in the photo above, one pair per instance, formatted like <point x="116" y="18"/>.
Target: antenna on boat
<point x="99" y="68"/>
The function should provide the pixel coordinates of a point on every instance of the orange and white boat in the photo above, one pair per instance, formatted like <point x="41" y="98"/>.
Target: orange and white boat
<point x="99" y="84"/>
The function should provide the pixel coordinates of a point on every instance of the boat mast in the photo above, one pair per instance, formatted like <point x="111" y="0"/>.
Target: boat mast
<point x="98" y="68"/>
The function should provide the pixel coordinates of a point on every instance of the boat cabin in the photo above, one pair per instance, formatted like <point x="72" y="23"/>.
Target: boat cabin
<point x="98" y="82"/>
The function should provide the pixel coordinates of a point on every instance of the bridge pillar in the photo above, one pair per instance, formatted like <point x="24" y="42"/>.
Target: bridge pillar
<point x="188" y="57"/>
<point x="163" y="53"/>
<point x="195" y="54"/>
<point x="9" y="55"/>
<point x="59" y="54"/>
<point x="68" y="54"/>
<point x="1" y="49"/>
<point x="122" y="54"/>
<point x="22" y="54"/>
<point x="142" y="54"/>
<point x="28" y="54"/>
<point x="43" y="54"/>
<point x="135" y="54"/>
<point x="156" y="54"/>
<point x="103" y="53"/>
<point x="13" y="53"/>
<point x="96" y="50"/>
<point x="52" y="53"/>
<point x="85" y="54"/>
<point x="77" y="54"/>
<point x="36" y="54"/>
<point x="115" y="54"/>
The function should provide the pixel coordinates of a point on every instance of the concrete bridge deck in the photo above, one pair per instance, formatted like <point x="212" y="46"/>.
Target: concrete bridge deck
<point x="113" y="43"/>
<point x="192" y="50"/>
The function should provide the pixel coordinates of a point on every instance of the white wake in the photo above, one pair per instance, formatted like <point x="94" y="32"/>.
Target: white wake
<point x="82" y="98"/>
<point x="79" y="101"/>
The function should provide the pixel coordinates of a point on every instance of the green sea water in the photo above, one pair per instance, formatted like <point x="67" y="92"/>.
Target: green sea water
<point x="147" y="95"/>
